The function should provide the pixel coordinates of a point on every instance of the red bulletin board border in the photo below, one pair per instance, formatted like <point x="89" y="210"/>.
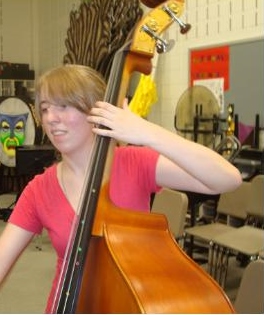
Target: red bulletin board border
<point x="210" y="63"/>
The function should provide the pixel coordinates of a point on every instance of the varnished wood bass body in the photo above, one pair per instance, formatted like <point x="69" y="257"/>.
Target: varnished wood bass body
<point x="137" y="267"/>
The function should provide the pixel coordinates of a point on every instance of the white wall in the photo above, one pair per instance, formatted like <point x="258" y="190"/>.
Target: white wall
<point x="53" y="24"/>
<point x="33" y="31"/>
<point x="17" y="31"/>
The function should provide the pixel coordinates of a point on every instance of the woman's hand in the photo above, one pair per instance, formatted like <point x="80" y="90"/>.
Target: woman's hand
<point x="122" y="124"/>
<point x="182" y="165"/>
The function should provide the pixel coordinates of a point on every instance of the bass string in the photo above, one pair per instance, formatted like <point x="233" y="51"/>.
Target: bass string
<point x="75" y="238"/>
<point x="99" y="151"/>
<point x="68" y="288"/>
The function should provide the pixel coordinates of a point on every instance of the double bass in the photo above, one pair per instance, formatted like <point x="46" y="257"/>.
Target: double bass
<point x="122" y="261"/>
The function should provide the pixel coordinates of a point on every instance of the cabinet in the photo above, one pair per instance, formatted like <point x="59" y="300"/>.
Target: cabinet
<point x="16" y="87"/>
<point x="16" y="79"/>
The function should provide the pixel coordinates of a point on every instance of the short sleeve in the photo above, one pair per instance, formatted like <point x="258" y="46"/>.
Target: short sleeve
<point x="133" y="177"/>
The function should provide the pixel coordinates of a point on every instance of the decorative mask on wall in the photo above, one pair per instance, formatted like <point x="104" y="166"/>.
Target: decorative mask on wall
<point x="17" y="127"/>
<point x="12" y="132"/>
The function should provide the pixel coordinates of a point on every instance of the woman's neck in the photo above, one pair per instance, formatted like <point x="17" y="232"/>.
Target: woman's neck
<point x="77" y="162"/>
<point x="72" y="172"/>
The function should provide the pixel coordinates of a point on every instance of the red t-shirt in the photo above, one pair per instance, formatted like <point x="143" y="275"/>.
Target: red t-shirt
<point x="44" y="205"/>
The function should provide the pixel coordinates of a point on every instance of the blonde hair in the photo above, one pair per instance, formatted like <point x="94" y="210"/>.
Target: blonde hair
<point x="72" y="85"/>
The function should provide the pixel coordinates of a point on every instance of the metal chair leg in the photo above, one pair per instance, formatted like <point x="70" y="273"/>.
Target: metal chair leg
<point x="211" y="258"/>
<point x="224" y="266"/>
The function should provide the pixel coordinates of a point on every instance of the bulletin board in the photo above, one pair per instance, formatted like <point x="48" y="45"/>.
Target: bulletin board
<point x="241" y="67"/>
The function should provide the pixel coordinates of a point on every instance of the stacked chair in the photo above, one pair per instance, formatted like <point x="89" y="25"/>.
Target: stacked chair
<point x="249" y="298"/>
<point x="247" y="240"/>
<point x="174" y="205"/>
<point x="231" y="205"/>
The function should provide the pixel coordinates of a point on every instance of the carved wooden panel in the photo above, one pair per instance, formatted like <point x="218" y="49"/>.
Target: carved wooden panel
<point x="97" y="30"/>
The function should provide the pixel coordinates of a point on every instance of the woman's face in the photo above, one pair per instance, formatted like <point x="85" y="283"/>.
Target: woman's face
<point x="66" y="127"/>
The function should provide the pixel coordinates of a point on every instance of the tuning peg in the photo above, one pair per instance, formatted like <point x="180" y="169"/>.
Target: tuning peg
<point x="161" y="44"/>
<point x="164" y="47"/>
<point x="184" y="28"/>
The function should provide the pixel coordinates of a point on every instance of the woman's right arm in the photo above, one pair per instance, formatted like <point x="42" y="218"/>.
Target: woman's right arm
<point x="12" y="242"/>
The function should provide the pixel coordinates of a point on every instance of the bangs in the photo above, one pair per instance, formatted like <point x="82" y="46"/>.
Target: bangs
<point x="62" y="89"/>
<point x="71" y="85"/>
